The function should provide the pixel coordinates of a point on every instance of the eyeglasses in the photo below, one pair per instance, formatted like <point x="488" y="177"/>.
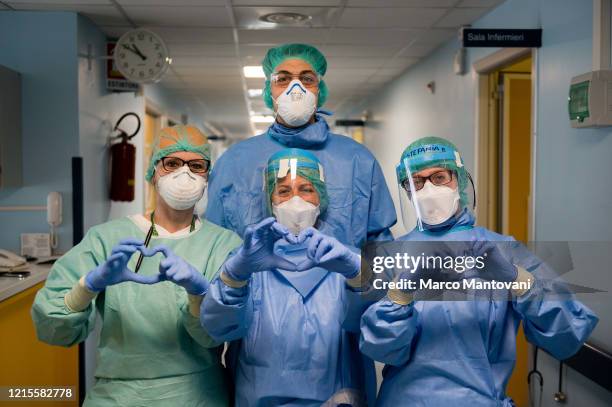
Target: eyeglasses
<point x="443" y="177"/>
<point x="288" y="191"/>
<point x="308" y="79"/>
<point x="199" y="166"/>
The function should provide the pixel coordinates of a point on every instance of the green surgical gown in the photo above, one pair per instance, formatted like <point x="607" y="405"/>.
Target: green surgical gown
<point x="152" y="351"/>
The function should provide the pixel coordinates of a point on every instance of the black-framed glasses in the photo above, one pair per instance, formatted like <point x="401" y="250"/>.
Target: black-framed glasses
<point x="443" y="177"/>
<point x="283" y="78"/>
<point x="199" y="166"/>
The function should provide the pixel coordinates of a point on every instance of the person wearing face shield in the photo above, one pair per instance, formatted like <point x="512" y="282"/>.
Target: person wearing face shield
<point x="281" y="300"/>
<point x="360" y="208"/>
<point x="441" y="353"/>
<point x="146" y="276"/>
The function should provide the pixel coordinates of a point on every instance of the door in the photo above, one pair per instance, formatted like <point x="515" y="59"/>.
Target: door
<point x="504" y="177"/>
<point x="516" y="149"/>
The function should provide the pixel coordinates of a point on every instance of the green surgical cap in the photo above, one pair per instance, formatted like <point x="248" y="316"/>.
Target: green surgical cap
<point x="308" y="167"/>
<point x="277" y="55"/>
<point x="177" y="138"/>
<point x="430" y="152"/>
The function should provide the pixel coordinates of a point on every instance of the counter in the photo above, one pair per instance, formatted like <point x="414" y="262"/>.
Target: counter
<point x="26" y="361"/>
<point x="10" y="286"/>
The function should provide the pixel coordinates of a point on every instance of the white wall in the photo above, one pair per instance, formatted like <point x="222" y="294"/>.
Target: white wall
<point x="29" y="45"/>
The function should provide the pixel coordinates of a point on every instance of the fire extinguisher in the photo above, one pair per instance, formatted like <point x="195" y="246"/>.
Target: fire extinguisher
<point x="123" y="163"/>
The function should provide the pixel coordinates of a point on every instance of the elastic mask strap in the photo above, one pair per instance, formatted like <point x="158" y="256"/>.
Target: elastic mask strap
<point x="473" y="190"/>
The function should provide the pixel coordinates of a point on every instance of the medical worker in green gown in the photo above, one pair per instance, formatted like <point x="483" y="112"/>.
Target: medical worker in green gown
<point x="152" y="349"/>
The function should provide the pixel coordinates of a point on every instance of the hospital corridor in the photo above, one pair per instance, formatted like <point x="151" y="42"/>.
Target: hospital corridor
<point x="300" y="203"/>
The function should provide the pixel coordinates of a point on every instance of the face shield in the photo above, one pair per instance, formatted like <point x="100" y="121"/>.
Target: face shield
<point x="295" y="190"/>
<point x="434" y="187"/>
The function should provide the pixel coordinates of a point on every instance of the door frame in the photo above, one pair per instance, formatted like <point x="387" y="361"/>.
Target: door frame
<point x="482" y="68"/>
<point x="154" y="110"/>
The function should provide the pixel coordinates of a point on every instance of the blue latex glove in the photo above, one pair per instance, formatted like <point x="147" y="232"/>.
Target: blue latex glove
<point x="496" y="266"/>
<point x="327" y="252"/>
<point x="174" y="268"/>
<point x="114" y="270"/>
<point x="257" y="251"/>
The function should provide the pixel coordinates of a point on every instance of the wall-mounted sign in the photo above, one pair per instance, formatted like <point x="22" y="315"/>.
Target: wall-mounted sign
<point x="502" y="37"/>
<point x="115" y="81"/>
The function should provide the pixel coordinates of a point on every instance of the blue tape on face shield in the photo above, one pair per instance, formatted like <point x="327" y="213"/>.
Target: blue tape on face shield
<point x="430" y="153"/>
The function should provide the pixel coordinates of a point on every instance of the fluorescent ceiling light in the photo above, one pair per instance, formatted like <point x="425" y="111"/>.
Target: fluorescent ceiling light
<point x="253" y="71"/>
<point x="254" y="93"/>
<point x="262" y="119"/>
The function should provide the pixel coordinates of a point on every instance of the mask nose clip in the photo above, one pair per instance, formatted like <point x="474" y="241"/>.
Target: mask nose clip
<point x="295" y="83"/>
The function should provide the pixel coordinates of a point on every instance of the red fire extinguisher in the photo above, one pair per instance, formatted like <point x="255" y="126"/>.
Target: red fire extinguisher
<point x="123" y="163"/>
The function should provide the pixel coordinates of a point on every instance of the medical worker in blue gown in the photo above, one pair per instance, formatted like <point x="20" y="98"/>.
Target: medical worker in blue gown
<point x="359" y="208"/>
<point x="289" y="346"/>
<point x="462" y="353"/>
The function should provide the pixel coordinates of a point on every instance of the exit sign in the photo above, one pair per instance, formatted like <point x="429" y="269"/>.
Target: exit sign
<point x="502" y="37"/>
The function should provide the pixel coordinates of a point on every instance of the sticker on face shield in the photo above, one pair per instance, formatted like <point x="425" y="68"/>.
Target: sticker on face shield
<point x="293" y="163"/>
<point x="458" y="159"/>
<point x="285" y="165"/>
<point x="283" y="168"/>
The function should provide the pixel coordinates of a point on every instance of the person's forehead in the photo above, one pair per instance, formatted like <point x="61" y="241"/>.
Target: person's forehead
<point x="294" y="65"/>
<point x="188" y="155"/>
<point x="297" y="180"/>
<point x="428" y="171"/>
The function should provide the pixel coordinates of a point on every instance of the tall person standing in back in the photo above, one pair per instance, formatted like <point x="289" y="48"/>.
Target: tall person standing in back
<point x="360" y="206"/>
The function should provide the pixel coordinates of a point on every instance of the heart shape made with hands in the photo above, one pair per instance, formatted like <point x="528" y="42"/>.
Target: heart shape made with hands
<point x="122" y="253"/>
<point x="323" y="251"/>
<point x="172" y="268"/>
<point x="305" y="237"/>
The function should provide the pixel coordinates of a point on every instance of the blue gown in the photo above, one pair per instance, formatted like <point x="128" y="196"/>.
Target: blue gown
<point x="443" y="353"/>
<point x="360" y="207"/>
<point x="289" y="346"/>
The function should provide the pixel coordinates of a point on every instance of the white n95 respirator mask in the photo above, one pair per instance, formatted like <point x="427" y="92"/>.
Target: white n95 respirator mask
<point x="181" y="189"/>
<point x="296" y="214"/>
<point x="437" y="203"/>
<point x="296" y="104"/>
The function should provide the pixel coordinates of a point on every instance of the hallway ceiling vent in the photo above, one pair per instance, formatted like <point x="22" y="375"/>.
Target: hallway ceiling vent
<point x="284" y="18"/>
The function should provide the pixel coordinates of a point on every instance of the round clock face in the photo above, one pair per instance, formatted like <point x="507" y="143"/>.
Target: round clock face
<point x="141" y="56"/>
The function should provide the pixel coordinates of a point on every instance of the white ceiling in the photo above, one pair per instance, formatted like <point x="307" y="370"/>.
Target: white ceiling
<point x="367" y="42"/>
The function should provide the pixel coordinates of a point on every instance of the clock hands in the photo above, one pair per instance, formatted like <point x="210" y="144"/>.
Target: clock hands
<point x="140" y="54"/>
<point x="135" y="50"/>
